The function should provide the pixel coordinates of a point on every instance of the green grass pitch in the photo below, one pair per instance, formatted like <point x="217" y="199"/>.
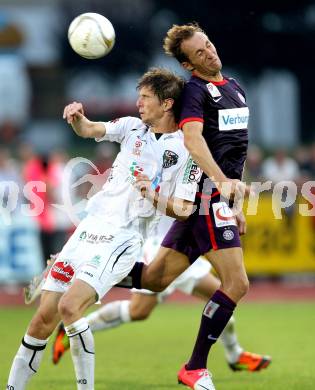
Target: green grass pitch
<point x="147" y="355"/>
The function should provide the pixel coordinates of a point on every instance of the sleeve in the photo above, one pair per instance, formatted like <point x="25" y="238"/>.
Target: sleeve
<point x="187" y="180"/>
<point x="192" y="104"/>
<point x="117" y="129"/>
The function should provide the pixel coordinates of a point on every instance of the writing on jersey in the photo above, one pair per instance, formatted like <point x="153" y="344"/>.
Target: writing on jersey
<point x="221" y="107"/>
<point x="163" y="160"/>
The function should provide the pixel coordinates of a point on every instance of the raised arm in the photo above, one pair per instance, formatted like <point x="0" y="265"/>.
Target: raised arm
<point x="74" y="115"/>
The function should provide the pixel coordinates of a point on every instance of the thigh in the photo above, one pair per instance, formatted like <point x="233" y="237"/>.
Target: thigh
<point x="80" y="296"/>
<point x="167" y="265"/>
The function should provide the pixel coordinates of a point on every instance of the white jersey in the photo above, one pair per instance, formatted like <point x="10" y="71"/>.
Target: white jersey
<point x="163" y="160"/>
<point x="108" y="241"/>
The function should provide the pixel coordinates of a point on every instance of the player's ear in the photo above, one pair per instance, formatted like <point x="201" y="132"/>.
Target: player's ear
<point x="187" y="65"/>
<point x="168" y="104"/>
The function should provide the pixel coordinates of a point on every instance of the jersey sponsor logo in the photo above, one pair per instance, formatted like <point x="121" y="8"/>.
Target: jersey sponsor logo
<point x="192" y="172"/>
<point x="233" y="119"/>
<point x="210" y="309"/>
<point x="169" y="158"/>
<point x="62" y="271"/>
<point x="91" y="238"/>
<point x="223" y="215"/>
<point x="214" y="92"/>
<point x="228" y="234"/>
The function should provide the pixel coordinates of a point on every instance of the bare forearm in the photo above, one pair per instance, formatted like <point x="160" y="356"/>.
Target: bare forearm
<point x="172" y="207"/>
<point x="201" y="154"/>
<point x="88" y="129"/>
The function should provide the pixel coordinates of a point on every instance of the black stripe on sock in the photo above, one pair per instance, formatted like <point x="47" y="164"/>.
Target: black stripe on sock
<point x="82" y="341"/>
<point x="33" y="347"/>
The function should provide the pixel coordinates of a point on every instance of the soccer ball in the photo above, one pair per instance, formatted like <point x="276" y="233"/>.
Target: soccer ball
<point x="91" y="35"/>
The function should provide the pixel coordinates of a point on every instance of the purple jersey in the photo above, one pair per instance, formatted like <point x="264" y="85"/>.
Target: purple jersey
<point x="221" y="106"/>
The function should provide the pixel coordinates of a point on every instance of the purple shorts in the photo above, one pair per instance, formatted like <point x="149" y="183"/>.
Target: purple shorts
<point x="212" y="226"/>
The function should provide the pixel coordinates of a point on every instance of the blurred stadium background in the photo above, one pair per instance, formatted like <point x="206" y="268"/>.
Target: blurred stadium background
<point x="268" y="46"/>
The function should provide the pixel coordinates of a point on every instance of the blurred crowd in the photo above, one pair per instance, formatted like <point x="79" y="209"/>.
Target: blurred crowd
<point x="22" y="165"/>
<point x="26" y="168"/>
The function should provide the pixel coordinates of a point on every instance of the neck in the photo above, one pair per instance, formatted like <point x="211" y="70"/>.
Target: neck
<point x="209" y="77"/>
<point x="167" y="124"/>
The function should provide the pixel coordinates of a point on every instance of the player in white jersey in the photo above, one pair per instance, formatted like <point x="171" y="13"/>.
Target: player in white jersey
<point x="106" y="244"/>
<point x="196" y="281"/>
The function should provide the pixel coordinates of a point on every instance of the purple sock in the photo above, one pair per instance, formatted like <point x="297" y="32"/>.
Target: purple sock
<point x="215" y="316"/>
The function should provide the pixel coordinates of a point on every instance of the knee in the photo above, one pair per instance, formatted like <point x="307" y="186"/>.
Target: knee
<point x="42" y="325"/>
<point x="243" y="286"/>
<point x="237" y="288"/>
<point x="66" y="309"/>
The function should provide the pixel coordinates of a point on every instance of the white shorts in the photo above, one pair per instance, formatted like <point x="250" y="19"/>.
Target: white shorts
<point x="97" y="253"/>
<point x="185" y="282"/>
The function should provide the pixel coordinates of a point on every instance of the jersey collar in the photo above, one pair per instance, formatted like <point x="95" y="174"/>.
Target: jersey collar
<point x="222" y="82"/>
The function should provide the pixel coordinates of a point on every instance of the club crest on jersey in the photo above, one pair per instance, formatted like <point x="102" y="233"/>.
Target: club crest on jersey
<point x="214" y="92"/>
<point x="62" y="271"/>
<point x="169" y="158"/>
<point x="137" y="146"/>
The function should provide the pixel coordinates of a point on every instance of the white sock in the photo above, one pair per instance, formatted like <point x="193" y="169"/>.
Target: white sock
<point x="82" y="352"/>
<point x="26" y="362"/>
<point x="230" y="343"/>
<point x="109" y="316"/>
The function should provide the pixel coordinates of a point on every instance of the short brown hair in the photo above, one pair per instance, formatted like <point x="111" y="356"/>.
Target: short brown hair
<point x="175" y="36"/>
<point x="164" y="84"/>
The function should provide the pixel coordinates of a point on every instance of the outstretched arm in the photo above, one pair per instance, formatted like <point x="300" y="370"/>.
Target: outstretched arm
<point x="74" y="115"/>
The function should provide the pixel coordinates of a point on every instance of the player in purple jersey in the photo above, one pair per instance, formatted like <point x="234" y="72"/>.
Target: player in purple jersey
<point x="214" y="120"/>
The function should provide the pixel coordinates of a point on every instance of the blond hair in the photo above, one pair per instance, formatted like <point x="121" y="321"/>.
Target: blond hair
<point x="175" y="36"/>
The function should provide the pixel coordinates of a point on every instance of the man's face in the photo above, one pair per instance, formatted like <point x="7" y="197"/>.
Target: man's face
<point x="202" y="55"/>
<point x="149" y="106"/>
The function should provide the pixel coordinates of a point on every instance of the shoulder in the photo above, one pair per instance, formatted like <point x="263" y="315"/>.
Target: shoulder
<point x="129" y="121"/>
<point x="236" y="84"/>
<point x="194" y="84"/>
<point x="175" y="151"/>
